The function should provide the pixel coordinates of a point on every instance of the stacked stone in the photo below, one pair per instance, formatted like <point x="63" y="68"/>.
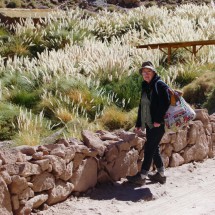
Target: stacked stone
<point x="36" y="177"/>
<point x="194" y="142"/>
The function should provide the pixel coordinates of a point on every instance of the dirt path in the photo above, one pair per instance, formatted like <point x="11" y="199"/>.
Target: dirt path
<point x="190" y="190"/>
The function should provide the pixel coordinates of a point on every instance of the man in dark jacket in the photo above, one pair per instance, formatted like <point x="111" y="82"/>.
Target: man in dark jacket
<point x="153" y="105"/>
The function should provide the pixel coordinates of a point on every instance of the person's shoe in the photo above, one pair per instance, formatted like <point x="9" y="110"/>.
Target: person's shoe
<point x="157" y="178"/>
<point x="136" y="179"/>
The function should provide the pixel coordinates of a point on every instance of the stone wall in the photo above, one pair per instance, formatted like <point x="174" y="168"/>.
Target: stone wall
<point x="37" y="177"/>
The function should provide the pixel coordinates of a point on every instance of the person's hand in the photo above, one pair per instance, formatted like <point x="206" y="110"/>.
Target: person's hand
<point x="137" y="130"/>
<point x="156" y="125"/>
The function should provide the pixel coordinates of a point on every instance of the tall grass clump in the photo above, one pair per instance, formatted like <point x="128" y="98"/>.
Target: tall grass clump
<point x="31" y="129"/>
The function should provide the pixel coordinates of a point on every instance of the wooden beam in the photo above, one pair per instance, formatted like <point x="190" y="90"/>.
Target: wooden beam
<point x="177" y="44"/>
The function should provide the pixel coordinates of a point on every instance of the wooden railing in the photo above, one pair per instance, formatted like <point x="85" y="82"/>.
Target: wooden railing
<point x="196" y="46"/>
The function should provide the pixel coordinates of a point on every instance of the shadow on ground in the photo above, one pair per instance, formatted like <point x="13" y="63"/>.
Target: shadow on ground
<point x="121" y="191"/>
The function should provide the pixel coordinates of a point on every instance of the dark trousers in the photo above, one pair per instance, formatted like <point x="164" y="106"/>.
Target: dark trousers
<point x="151" y="147"/>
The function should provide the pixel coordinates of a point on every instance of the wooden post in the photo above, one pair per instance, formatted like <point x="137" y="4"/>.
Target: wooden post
<point x="169" y="55"/>
<point x="194" y="50"/>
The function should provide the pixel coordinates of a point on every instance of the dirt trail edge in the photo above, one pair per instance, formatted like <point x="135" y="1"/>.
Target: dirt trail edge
<point x="190" y="189"/>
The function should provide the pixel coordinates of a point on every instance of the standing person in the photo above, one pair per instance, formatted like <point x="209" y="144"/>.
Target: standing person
<point x="153" y="105"/>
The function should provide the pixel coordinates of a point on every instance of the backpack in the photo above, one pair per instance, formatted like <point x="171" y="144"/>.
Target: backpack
<point x="179" y="112"/>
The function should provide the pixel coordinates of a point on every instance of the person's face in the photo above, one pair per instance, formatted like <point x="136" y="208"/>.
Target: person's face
<point x="147" y="74"/>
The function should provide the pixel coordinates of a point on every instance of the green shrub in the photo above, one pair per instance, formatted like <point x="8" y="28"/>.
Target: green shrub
<point x="186" y="76"/>
<point x="8" y="114"/>
<point x="196" y="92"/>
<point x="113" y="118"/>
<point x="210" y="103"/>
<point x="128" y="89"/>
<point x="14" y="4"/>
<point x="25" y="98"/>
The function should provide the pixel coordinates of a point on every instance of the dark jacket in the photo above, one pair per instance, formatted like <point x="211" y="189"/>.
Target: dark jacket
<point x="160" y="100"/>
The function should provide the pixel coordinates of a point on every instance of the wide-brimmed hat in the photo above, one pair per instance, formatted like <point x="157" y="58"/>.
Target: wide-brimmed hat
<point x="148" y="65"/>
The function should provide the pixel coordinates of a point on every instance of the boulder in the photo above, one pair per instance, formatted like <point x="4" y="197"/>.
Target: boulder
<point x="166" y="138"/>
<point x="12" y="156"/>
<point x="15" y="202"/>
<point x="18" y="184"/>
<point x="125" y="164"/>
<point x="111" y="153"/>
<point x="44" y="164"/>
<point x="165" y="159"/>
<point x="27" y="169"/>
<point x="58" y="164"/>
<point x="192" y="133"/>
<point x="67" y="174"/>
<point x="5" y="200"/>
<point x="70" y="154"/>
<point x="202" y="115"/>
<point x="59" y="192"/>
<point x="125" y="135"/>
<point x="137" y="143"/>
<point x="32" y="203"/>
<point x="168" y="148"/>
<point x="197" y="152"/>
<point x="26" y="194"/>
<point x="25" y="149"/>
<point x="181" y="140"/>
<point x="108" y="136"/>
<point x="122" y="146"/>
<point x="93" y="141"/>
<point x="87" y="170"/>
<point x="44" y="181"/>
<point x="176" y="160"/>
<point x="6" y="177"/>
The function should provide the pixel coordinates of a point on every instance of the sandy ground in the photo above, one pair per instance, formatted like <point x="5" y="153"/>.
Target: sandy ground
<point x="190" y="189"/>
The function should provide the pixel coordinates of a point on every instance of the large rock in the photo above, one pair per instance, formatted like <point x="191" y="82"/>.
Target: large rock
<point x="27" y="169"/>
<point x="44" y="181"/>
<point x="32" y="203"/>
<point x="5" y="200"/>
<point x="6" y="177"/>
<point x="18" y="184"/>
<point x="85" y="176"/>
<point x="105" y="135"/>
<point x="137" y="143"/>
<point x="25" y="149"/>
<point x="93" y="141"/>
<point x="192" y="133"/>
<point x="58" y="164"/>
<point x="125" y="135"/>
<point x="202" y="115"/>
<point x="60" y="192"/>
<point x="176" y="160"/>
<point x="166" y="138"/>
<point x="26" y="194"/>
<point x="168" y="148"/>
<point x="165" y="159"/>
<point x="67" y="174"/>
<point x="197" y="152"/>
<point x="12" y="156"/>
<point x="111" y="153"/>
<point x="125" y="164"/>
<point x="44" y="164"/>
<point x="181" y="140"/>
<point x="70" y="154"/>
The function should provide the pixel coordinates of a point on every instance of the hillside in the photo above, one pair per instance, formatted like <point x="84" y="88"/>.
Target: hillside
<point x="93" y="4"/>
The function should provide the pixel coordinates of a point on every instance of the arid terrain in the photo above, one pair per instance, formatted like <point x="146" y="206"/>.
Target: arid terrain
<point x="189" y="190"/>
